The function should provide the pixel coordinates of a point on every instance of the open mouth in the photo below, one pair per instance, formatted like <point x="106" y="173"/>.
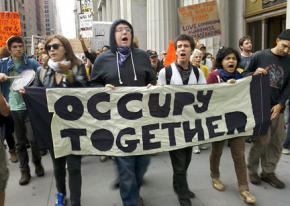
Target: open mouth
<point x="231" y="66"/>
<point x="124" y="38"/>
<point x="182" y="54"/>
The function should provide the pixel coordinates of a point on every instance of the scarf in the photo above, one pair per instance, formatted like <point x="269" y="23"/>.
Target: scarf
<point x="124" y="53"/>
<point x="225" y="76"/>
<point x="54" y="65"/>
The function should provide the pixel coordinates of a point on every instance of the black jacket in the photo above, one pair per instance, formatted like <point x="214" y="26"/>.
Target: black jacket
<point x="136" y="70"/>
<point x="105" y="70"/>
<point x="48" y="79"/>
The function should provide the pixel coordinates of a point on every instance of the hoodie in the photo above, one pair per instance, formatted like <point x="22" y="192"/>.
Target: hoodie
<point x="135" y="71"/>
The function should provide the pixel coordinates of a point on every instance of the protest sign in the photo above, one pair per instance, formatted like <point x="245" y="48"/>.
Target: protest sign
<point x="86" y="25"/>
<point x="86" y="6"/>
<point x="9" y="26"/>
<point x="138" y="120"/>
<point x="101" y="33"/>
<point x="77" y="47"/>
<point x="200" y="20"/>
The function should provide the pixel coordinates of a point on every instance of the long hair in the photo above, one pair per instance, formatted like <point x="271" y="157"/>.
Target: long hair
<point x="69" y="54"/>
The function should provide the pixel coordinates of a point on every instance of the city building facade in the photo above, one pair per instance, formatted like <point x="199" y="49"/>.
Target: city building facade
<point x="39" y="18"/>
<point x="156" y="21"/>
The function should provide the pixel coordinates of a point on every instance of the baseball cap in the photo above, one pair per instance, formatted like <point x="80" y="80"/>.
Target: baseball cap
<point x="152" y="53"/>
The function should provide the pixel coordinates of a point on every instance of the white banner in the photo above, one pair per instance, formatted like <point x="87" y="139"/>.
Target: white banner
<point x="138" y="120"/>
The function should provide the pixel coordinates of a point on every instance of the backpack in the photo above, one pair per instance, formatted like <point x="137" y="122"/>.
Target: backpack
<point x="42" y="73"/>
<point x="168" y="73"/>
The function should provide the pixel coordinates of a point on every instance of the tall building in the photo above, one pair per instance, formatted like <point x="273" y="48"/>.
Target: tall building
<point x="50" y="14"/>
<point x="38" y="17"/>
<point x="9" y="5"/>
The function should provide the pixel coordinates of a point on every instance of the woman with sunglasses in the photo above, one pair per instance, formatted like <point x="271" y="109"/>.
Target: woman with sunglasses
<point x="227" y="61"/>
<point x="63" y="69"/>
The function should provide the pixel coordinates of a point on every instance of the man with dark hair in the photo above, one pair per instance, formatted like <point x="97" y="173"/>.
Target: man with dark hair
<point x="125" y="65"/>
<point x="245" y="45"/>
<point x="267" y="148"/>
<point x="13" y="66"/>
<point x="182" y="72"/>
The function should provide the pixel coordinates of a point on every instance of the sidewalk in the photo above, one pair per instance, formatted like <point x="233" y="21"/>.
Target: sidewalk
<point x="157" y="191"/>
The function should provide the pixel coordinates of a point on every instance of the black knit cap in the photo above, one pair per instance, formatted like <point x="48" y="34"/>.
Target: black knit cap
<point x="113" y="43"/>
<point x="285" y="35"/>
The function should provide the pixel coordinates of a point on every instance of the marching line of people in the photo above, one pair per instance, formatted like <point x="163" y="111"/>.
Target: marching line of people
<point x="123" y="64"/>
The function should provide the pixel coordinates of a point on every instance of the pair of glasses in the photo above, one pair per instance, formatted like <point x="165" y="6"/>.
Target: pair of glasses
<point x="128" y="30"/>
<point x="54" y="46"/>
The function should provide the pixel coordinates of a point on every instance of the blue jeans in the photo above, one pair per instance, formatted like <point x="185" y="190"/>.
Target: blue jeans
<point x="131" y="171"/>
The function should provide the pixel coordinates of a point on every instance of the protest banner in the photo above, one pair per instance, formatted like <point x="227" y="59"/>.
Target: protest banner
<point x="139" y="120"/>
<point x="9" y="26"/>
<point x="200" y="20"/>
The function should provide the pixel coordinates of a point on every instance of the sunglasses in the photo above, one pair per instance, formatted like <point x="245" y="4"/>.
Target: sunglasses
<point x="54" y="46"/>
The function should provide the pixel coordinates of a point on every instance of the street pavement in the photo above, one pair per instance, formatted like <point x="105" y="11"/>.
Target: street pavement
<point x="157" y="190"/>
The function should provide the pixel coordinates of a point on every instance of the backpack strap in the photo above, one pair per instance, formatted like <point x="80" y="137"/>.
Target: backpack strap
<point x="42" y="73"/>
<point x="168" y="74"/>
<point x="196" y="73"/>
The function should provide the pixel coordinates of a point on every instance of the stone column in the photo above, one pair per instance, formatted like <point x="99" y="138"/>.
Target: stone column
<point x="108" y="10"/>
<point x="161" y="23"/>
<point x="223" y="6"/>
<point x="288" y="16"/>
<point x="236" y="23"/>
<point x="104" y="15"/>
<point x="115" y="10"/>
<point x="123" y="8"/>
<point x="137" y="17"/>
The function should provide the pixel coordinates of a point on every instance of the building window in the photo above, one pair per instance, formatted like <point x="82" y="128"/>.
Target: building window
<point x="255" y="31"/>
<point x="6" y="5"/>
<point x="275" y="26"/>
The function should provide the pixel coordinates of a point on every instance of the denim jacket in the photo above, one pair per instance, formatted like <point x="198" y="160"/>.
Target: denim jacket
<point x="7" y="64"/>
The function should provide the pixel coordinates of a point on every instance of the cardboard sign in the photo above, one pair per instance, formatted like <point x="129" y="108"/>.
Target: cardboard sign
<point x="76" y="45"/>
<point x="200" y="20"/>
<point x="9" y="26"/>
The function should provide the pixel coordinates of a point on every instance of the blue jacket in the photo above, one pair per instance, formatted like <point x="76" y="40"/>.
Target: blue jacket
<point x="7" y="64"/>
